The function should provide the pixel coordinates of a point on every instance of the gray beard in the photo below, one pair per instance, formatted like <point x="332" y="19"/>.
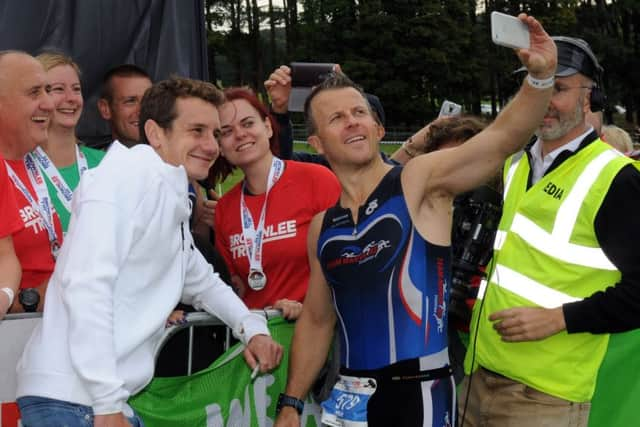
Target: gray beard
<point x="563" y="127"/>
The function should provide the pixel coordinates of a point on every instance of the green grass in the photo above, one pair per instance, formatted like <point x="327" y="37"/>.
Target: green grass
<point x="237" y="175"/>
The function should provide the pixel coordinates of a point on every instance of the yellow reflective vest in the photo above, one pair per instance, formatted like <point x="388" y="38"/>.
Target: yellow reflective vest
<point x="546" y="254"/>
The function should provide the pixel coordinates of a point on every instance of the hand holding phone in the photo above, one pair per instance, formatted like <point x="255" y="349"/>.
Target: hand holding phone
<point x="509" y="31"/>
<point x="278" y="87"/>
<point x="309" y="74"/>
<point x="305" y="75"/>
<point x="449" y="109"/>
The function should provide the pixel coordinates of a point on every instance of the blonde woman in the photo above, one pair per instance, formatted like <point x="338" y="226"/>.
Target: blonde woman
<point x="63" y="159"/>
<point x="618" y="138"/>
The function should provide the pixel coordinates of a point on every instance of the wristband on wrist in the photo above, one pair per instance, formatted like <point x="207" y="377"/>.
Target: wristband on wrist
<point x="406" y="149"/>
<point x="540" y="83"/>
<point x="286" y="400"/>
<point x="9" y="293"/>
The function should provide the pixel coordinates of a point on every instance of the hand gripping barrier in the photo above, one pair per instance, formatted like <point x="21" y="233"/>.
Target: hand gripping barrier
<point x="200" y="318"/>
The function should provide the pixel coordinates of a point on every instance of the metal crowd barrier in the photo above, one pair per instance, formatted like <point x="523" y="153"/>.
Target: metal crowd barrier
<point x="199" y="318"/>
<point x="15" y="330"/>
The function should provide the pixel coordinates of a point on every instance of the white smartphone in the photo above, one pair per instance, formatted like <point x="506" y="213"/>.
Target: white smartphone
<point x="449" y="108"/>
<point x="509" y="31"/>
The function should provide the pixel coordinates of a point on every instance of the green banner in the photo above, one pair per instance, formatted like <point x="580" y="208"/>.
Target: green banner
<point x="223" y="394"/>
<point x="614" y="402"/>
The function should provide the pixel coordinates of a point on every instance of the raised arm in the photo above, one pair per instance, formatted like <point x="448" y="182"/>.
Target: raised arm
<point x="449" y="172"/>
<point x="314" y="330"/>
<point x="412" y="147"/>
<point x="278" y="87"/>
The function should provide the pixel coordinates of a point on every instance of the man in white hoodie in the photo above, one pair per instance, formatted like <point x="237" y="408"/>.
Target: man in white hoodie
<point x="128" y="258"/>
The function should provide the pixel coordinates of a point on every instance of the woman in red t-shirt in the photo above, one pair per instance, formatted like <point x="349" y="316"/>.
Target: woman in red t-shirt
<point x="261" y="224"/>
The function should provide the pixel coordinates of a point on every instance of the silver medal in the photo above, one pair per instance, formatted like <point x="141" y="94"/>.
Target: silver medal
<point x="55" y="249"/>
<point x="257" y="280"/>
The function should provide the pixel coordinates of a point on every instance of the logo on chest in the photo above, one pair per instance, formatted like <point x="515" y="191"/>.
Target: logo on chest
<point x="356" y="255"/>
<point x="282" y="230"/>
<point x="31" y="219"/>
<point x="370" y="249"/>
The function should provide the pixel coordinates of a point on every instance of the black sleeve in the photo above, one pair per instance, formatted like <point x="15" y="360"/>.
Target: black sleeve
<point x="286" y="135"/>
<point x="286" y="143"/>
<point x="617" y="227"/>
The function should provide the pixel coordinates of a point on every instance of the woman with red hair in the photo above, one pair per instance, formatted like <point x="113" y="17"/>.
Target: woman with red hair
<point x="261" y="224"/>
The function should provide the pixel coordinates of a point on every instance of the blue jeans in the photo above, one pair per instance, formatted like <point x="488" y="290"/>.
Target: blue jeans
<point x="44" y="412"/>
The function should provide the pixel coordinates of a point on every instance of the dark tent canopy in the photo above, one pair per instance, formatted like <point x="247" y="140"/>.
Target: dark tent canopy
<point x="162" y="36"/>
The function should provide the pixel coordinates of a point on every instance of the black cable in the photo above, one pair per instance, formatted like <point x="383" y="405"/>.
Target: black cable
<point x="480" y="215"/>
<point x="475" y="340"/>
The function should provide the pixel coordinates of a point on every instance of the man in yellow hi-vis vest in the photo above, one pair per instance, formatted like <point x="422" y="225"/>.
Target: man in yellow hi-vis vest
<point x="564" y="273"/>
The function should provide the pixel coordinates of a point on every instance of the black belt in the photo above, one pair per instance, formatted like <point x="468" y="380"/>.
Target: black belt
<point x="401" y="371"/>
<point x="428" y="375"/>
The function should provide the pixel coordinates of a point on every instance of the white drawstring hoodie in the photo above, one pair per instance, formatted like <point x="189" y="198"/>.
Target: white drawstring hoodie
<point x="127" y="259"/>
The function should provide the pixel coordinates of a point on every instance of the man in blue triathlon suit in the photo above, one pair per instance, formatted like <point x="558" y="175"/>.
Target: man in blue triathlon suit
<point x="380" y="258"/>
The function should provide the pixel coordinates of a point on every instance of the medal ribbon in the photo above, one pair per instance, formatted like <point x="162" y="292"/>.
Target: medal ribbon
<point x="43" y="204"/>
<point x="253" y="236"/>
<point x="64" y="191"/>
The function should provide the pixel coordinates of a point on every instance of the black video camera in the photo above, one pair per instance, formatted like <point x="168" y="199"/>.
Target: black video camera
<point x="476" y="216"/>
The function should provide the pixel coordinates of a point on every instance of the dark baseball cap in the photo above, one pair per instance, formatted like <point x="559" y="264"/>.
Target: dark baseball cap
<point x="377" y="108"/>
<point x="574" y="56"/>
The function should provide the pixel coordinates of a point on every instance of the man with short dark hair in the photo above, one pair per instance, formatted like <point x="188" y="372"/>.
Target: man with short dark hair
<point x="122" y="90"/>
<point x="129" y="258"/>
<point x="278" y="86"/>
<point x="564" y="273"/>
<point x="380" y="258"/>
<point x="119" y="104"/>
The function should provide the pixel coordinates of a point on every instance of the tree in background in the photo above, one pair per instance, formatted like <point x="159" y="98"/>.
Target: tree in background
<point x="414" y="54"/>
